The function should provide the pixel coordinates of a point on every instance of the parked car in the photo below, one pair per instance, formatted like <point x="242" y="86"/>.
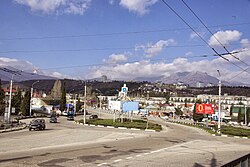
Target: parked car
<point x="53" y="119"/>
<point x="70" y="116"/>
<point x="37" y="124"/>
<point x="93" y="117"/>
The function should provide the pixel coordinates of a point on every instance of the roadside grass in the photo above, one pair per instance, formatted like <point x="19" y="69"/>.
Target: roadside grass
<point x="225" y="130"/>
<point x="235" y="131"/>
<point x="139" y="124"/>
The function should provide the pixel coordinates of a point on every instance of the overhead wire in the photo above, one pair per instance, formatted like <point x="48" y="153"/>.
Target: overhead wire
<point x="114" y="33"/>
<point x="164" y="2"/>
<point x="192" y="11"/>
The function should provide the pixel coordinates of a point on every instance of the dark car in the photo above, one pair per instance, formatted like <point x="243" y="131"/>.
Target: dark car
<point x="37" y="124"/>
<point x="93" y="117"/>
<point x="53" y="119"/>
<point x="70" y="116"/>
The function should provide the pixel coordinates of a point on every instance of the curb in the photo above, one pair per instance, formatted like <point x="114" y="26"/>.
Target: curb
<point x="183" y="123"/>
<point x="13" y="129"/>
<point x="112" y="127"/>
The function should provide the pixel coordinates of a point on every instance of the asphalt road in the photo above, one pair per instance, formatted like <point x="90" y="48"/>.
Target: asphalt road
<point x="70" y="144"/>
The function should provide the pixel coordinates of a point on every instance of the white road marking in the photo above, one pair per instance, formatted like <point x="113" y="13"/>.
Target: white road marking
<point x="118" y="160"/>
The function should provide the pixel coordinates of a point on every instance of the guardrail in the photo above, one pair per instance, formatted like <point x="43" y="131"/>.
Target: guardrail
<point x="240" y="162"/>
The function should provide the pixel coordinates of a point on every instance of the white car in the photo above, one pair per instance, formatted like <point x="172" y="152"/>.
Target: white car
<point x="233" y="123"/>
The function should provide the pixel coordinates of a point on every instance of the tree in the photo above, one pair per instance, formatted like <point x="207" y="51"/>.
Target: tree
<point x="63" y="97"/>
<point x="248" y="115"/>
<point x="17" y="101"/>
<point x="78" y="105"/>
<point x="239" y="115"/>
<point x="178" y="111"/>
<point x="25" y="106"/>
<point x="185" y="102"/>
<point x="2" y="97"/>
<point x="231" y="109"/>
<point x="197" y="117"/>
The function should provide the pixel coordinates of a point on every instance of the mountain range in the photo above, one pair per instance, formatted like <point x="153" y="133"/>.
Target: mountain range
<point x="6" y="73"/>
<point x="192" y="79"/>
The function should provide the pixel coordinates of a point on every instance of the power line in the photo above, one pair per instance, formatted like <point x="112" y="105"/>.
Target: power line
<point x="211" y="32"/>
<point x="199" y="34"/>
<point x="92" y="49"/>
<point x="152" y="60"/>
<point x="115" y="33"/>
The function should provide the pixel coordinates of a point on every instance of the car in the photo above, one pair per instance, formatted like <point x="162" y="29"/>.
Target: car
<point x="37" y="124"/>
<point x="93" y="117"/>
<point x="53" y="119"/>
<point x="70" y="116"/>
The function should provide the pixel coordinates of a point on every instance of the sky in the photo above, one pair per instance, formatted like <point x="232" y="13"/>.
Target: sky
<point x="126" y="39"/>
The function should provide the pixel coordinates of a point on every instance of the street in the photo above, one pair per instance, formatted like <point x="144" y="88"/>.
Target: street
<point x="69" y="144"/>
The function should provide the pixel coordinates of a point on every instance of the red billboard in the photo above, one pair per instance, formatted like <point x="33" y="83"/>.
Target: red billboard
<point x="204" y="109"/>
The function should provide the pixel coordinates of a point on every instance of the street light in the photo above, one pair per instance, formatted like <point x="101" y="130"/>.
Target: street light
<point x="31" y="95"/>
<point x="219" y="109"/>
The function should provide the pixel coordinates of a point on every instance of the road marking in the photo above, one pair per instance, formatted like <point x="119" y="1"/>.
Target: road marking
<point x="129" y="157"/>
<point x="102" y="164"/>
<point x="118" y="160"/>
<point x="121" y="128"/>
<point x="139" y="155"/>
<point x="146" y="153"/>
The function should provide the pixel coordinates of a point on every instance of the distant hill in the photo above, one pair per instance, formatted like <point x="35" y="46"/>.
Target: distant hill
<point x="21" y="75"/>
<point x="193" y="79"/>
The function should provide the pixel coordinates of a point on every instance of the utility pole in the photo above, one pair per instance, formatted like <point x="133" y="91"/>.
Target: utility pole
<point x="219" y="109"/>
<point x="9" y="109"/>
<point x="245" y="115"/>
<point x="85" y="96"/>
<point x="31" y="95"/>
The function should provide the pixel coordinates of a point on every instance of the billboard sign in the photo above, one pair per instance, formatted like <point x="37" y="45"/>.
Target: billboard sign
<point x="130" y="106"/>
<point x="204" y="108"/>
<point x="114" y="105"/>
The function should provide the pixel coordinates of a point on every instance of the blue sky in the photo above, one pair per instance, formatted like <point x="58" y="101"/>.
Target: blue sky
<point x="124" y="39"/>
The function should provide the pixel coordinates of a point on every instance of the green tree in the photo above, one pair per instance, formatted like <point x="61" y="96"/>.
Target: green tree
<point x="185" y="102"/>
<point x="2" y="97"/>
<point x="197" y="117"/>
<point x="63" y="97"/>
<point x="239" y="115"/>
<point x="178" y="111"/>
<point x="78" y="105"/>
<point x="231" y="109"/>
<point x="248" y="115"/>
<point x="25" y="106"/>
<point x="17" y="101"/>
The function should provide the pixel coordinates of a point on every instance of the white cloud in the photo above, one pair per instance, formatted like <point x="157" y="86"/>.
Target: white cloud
<point x="57" y="6"/>
<point x="245" y="43"/>
<point x="116" y="58"/>
<point x="152" y="50"/>
<point x="28" y="67"/>
<point x="138" y="6"/>
<point x="225" y="37"/>
<point x="111" y="2"/>
<point x="188" y="53"/>
<point x="193" y="35"/>
<point x="131" y="71"/>
<point x="18" y="64"/>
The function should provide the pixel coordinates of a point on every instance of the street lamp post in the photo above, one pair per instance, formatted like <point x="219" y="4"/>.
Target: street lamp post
<point x="31" y="95"/>
<point x="219" y="109"/>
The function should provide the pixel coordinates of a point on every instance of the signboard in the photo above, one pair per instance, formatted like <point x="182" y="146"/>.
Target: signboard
<point x="114" y="105"/>
<point x="130" y="106"/>
<point x="204" y="109"/>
